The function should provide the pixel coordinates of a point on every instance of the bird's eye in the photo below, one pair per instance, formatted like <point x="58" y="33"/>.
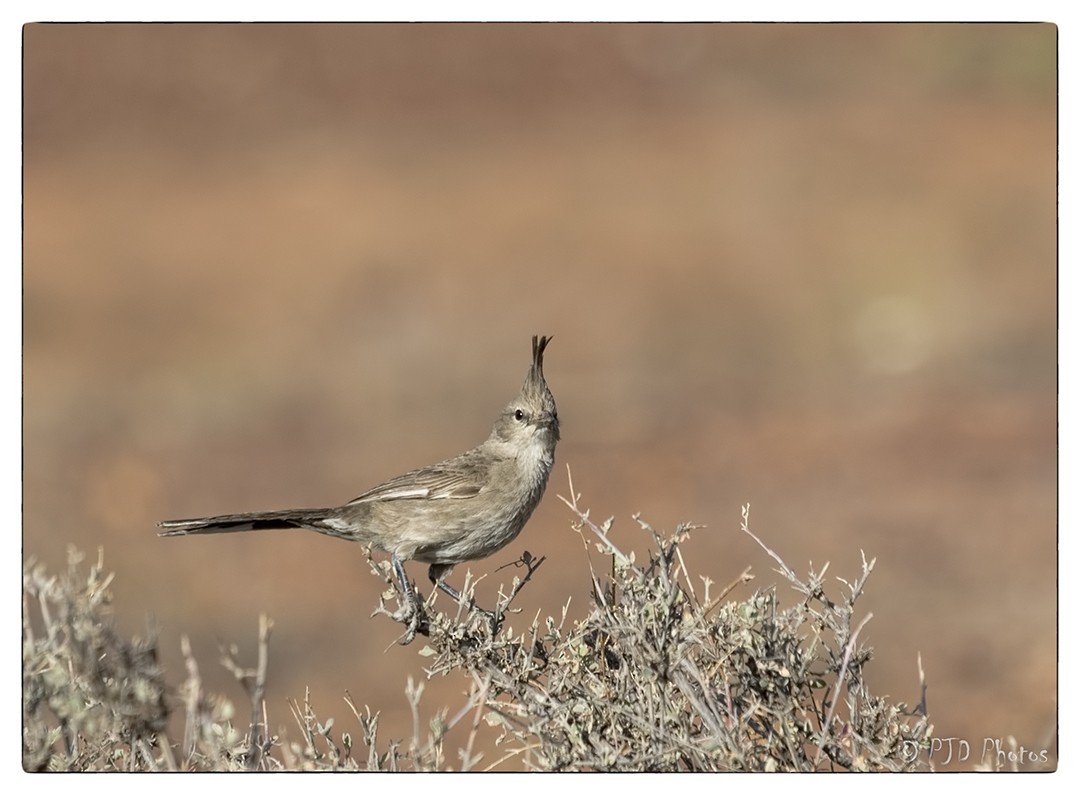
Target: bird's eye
<point x="519" y="415"/>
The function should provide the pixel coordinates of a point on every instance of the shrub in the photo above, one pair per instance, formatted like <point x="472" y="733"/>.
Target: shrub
<point x="662" y="674"/>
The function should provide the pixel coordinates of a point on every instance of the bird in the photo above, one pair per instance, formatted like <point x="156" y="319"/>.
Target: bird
<point x="462" y="509"/>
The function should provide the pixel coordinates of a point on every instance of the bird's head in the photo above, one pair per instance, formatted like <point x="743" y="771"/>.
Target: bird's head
<point x="531" y="416"/>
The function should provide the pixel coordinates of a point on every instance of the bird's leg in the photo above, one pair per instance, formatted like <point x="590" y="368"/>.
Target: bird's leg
<point x="406" y="586"/>
<point x="436" y="573"/>
<point x="410" y="614"/>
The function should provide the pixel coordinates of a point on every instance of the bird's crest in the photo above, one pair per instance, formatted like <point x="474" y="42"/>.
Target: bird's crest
<point x="535" y="385"/>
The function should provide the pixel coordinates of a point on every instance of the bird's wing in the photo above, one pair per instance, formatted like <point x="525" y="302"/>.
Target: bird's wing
<point x="438" y="482"/>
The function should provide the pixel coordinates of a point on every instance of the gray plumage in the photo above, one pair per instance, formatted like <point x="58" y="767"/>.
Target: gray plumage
<point x="461" y="509"/>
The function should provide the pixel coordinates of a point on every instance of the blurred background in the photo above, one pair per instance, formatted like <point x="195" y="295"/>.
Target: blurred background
<point x="808" y="267"/>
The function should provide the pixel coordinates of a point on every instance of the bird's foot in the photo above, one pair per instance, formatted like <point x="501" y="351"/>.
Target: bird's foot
<point x="411" y="615"/>
<point x="495" y="618"/>
<point x="467" y="602"/>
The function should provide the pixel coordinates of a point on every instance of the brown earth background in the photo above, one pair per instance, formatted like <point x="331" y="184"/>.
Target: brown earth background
<point x="808" y="267"/>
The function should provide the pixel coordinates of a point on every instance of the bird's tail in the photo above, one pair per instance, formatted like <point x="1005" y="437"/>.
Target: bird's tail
<point x="309" y="518"/>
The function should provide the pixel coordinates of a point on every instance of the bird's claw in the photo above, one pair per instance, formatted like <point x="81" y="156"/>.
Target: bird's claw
<point x="496" y="620"/>
<point x="410" y="615"/>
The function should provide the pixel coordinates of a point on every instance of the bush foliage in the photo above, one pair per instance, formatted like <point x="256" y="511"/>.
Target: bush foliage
<point x="663" y="674"/>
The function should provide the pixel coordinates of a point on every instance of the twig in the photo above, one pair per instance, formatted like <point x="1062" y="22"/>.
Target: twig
<point x="839" y="684"/>
<point x="254" y="683"/>
<point x="193" y="694"/>
<point x="480" y="697"/>
<point x="784" y="568"/>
